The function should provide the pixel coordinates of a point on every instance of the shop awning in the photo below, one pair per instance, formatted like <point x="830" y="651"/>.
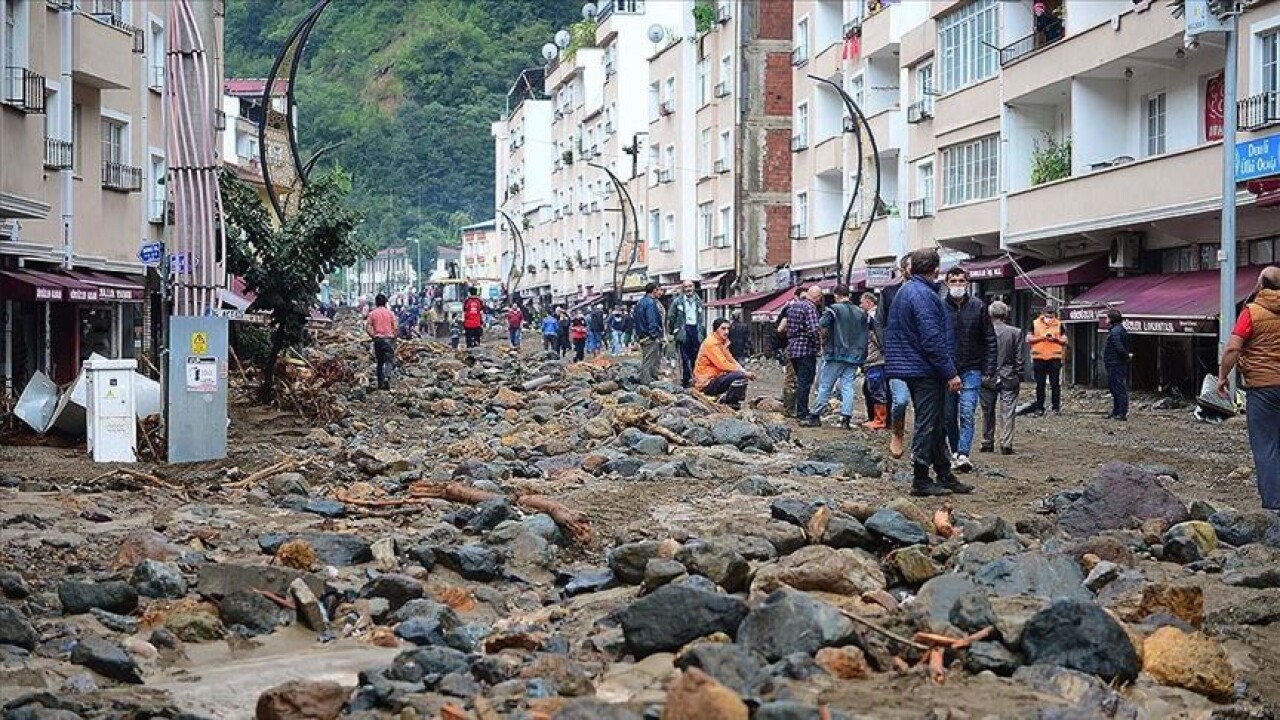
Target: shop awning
<point x="1084" y="270"/>
<point x="995" y="267"/>
<point x="712" y="279"/>
<point x="1180" y="304"/>
<point x="113" y="288"/>
<point x="769" y="311"/>
<point x="30" y="287"/>
<point x="745" y="298"/>
<point x="73" y="290"/>
<point x="588" y="300"/>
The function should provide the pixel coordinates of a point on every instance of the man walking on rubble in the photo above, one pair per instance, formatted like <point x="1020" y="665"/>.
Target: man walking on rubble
<point x="975" y="358"/>
<point x="515" y="324"/>
<point x="803" y="346"/>
<point x="686" y="323"/>
<point x="1002" y="388"/>
<point x="381" y="326"/>
<point x="473" y="318"/>
<point x="895" y="387"/>
<point x="843" y="328"/>
<point x="648" y="329"/>
<point x="1255" y="348"/>
<point x="874" y="385"/>
<point x="919" y="349"/>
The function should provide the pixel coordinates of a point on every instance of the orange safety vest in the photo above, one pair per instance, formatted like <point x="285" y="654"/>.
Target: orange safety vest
<point x="1047" y="350"/>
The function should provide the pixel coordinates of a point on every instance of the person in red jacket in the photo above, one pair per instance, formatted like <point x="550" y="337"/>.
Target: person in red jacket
<point x="473" y="318"/>
<point x="578" y="335"/>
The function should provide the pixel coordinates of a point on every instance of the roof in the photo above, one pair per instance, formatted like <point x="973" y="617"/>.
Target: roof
<point x="1191" y="295"/>
<point x="252" y="87"/>
<point x="482" y="225"/>
<point x="1083" y="270"/>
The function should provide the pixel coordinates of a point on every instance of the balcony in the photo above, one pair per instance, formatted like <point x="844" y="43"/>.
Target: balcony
<point x="23" y="90"/>
<point x="1259" y="111"/>
<point x="664" y="176"/>
<point x="919" y="111"/>
<point x="828" y="155"/>
<point x="918" y="209"/>
<point x="799" y="142"/>
<point x="1105" y="199"/>
<point x="58" y="154"/>
<point x="102" y="51"/>
<point x="723" y="14"/>
<point x="121" y="178"/>
<point x="799" y="55"/>
<point x="722" y="89"/>
<point x="156" y="208"/>
<point x="720" y="241"/>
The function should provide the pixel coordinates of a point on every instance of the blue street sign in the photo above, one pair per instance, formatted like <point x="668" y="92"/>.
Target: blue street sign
<point x="1258" y="158"/>
<point x="151" y="253"/>
<point x="179" y="263"/>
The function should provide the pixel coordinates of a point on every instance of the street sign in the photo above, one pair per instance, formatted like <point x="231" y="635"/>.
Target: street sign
<point x="1258" y="158"/>
<point x="1200" y="18"/>
<point x="150" y="254"/>
<point x="879" y="276"/>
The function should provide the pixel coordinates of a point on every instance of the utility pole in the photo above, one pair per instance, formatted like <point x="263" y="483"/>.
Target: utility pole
<point x="1227" y="252"/>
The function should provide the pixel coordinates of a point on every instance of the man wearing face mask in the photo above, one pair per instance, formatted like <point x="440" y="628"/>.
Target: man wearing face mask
<point x="686" y="323"/>
<point x="975" y="356"/>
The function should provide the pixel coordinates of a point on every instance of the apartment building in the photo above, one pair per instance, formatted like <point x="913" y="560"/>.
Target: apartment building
<point x="243" y="116"/>
<point x="1070" y="150"/>
<point x="691" y="116"/>
<point x="389" y="271"/>
<point x="479" y="245"/>
<point x="82" y="163"/>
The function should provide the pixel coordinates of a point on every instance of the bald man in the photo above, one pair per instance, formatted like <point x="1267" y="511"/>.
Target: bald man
<point x="1255" y="348"/>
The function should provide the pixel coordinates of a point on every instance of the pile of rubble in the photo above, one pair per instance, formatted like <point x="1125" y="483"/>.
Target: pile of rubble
<point x="495" y="596"/>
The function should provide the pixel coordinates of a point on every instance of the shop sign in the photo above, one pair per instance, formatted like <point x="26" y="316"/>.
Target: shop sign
<point x="1166" y="326"/>
<point x="1083" y="314"/>
<point x="1258" y="158"/>
<point x="879" y="276"/>
<point x="989" y="272"/>
<point x="1214" y="117"/>
<point x="48" y="293"/>
<point x="82" y="294"/>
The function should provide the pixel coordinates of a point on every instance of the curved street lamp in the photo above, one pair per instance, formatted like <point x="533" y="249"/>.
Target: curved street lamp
<point x="517" y="267"/>
<point x="624" y="203"/>
<point x="858" y="117"/>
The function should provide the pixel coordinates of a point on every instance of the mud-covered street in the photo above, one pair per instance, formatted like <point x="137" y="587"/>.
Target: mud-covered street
<point x="516" y="536"/>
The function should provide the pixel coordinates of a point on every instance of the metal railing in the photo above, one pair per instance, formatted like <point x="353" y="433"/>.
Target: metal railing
<point x="23" y="90"/>
<point x="58" y="154"/>
<point x="720" y="241"/>
<point x="919" y="111"/>
<point x="667" y="107"/>
<point x="799" y="142"/>
<point x="799" y="55"/>
<point x="722" y="89"/>
<point x="921" y="208"/>
<point x="853" y="27"/>
<point x="721" y="166"/>
<point x="155" y="81"/>
<point x="120" y="177"/>
<point x="1024" y="46"/>
<point x="1259" y="111"/>
<point x="156" y="209"/>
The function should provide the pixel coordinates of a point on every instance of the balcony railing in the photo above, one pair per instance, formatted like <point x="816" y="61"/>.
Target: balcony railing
<point x="722" y="166"/>
<point x="121" y="178"/>
<point x="723" y="14"/>
<point x="919" y="111"/>
<point x="664" y="176"/>
<point x="799" y="55"/>
<point x="156" y="209"/>
<point x="799" y="231"/>
<point x="799" y="142"/>
<point x="155" y="81"/>
<point x="853" y="27"/>
<point x="58" y="154"/>
<point x="720" y="241"/>
<point x="1259" y="111"/>
<point x="722" y="89"/>
<point x="921" y="208"/>
<point x="23" y="90"/>
<point x="1022" y="47"/>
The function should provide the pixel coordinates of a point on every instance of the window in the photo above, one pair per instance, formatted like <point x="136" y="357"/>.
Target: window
<point x="726" y="226"/>
<point x="654" y="101"/>
<point x="155" y="64"/>
<point x="704" y="226"/>
<point x="726" y="74"/>
<point x="925" y="186"/>
<point x="113" y="134"/>
<point x="655" y="156"/>
<point x="669" y="164"/>
<point x="970" y="171"/>
<point x="704" y="152"/>
<point x="668" y="232"/>
<point x="704" y="82"/>
<point x="856" y="91"/>
<point x="77" y="157"/>
<point x="1270" y="61"/>
<point x="1262" y="252"/>
<point x="1156" y="105"/>
<point x="800" y="215"/>
<point x="156" y="211"/>
<point x="967" y="40"/>
<point x="669" y="90"/>
<point x="801" y="130"/>
<point x="655" y="228"/>
<point x="924" y="86"/>
<point x="726" y="147"/>
<point x="800" y="54"/>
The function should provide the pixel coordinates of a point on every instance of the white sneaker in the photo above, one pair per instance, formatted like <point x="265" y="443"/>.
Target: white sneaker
<point x="962" y="463"/>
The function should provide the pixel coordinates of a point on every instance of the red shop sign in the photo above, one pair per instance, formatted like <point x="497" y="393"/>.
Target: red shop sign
<point x="1214" y="117"/>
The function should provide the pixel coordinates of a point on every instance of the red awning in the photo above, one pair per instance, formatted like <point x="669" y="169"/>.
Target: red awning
<point x="30" y="287"/>
<point x="1184" y="303"/>
<point x="744" y="298"/>
<point x="111" y="287"/>
<point x="769" y="311"/>
<point x="74" y="290"/>
<point x="1085" y="270"/>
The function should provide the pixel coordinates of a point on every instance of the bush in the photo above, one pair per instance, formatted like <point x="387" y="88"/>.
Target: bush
<point x="1050" y="161"/>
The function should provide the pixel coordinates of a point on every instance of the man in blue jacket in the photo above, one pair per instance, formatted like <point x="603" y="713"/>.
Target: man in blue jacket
<point x="1115" y="355"/>
<point x="648" y="330"/>
<point x="919" y="349"/>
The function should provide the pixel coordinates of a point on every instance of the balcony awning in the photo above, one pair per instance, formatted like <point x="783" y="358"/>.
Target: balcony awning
<point x="1179" y="304"/>
<point x="1084" y="270"/>
<point x="769" y="311"/>
<point x="111" y="287"/>
<point x="746" y="298"/>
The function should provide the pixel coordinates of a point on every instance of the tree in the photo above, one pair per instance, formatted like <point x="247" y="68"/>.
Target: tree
<point x="285" y="266"/>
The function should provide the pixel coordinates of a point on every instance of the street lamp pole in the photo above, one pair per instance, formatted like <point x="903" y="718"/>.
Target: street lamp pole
<point x="624" y="203"/>
<point x="1227" y="256"/>
<point x="417" y="275"/>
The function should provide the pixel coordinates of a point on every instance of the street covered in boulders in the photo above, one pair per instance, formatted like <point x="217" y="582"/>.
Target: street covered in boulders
<point x="510" y="535"/>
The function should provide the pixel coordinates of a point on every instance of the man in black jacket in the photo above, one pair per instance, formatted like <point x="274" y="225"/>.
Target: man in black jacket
<point x="1115" y="355"/>
<point x="975" y="355"/>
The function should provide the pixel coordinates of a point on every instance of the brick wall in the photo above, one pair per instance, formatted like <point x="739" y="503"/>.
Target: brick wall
<point x="777" y="160"/>
<point x="775" y="19"/>
<point x="777" y="232"/>
<point x="777" y="84"/>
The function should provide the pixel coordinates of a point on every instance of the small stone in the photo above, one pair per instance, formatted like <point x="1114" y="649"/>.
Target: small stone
<point x="310" y="612"/>
<point x="16" y="629"/>
<point x="155" y="579"/>
<point x="1037" y="572"/>
<point x="114" y="622"/>
<point x="337" y="549"/>
<point x="716" y="562"/>
<point x="1102" y="573"/>
<point x="1189" y="542"/>
<point x="396" y="589"/>
<point x="642" y="443"/>
<point x="756" y="485"/>
<point x="913" y="565"/>
<point x="628" y="561"/>
<point x="384" y="554"/>
<point x="659" y="572"/>
<point x="894" y="527"/>
<point x="195" y="627"/>
<point x="251" y="611"/>
<point x="472" y="562"/>
<point x="1191" y="661"/>
<point x="105" y="658"/>
<point x="1117" y="495"/>
<point x="733" y="665"/>
<point x="844" y="531"/>
<point x="302" y="700"/>
<point x="289" y="483"/>
<point x="13" y="586"/>
<point x="694" y="695"/>
<point x="845" y="663"/>
<point x="1081" y="636"/>
<point x="589" y="581"/>
<point x="674" y="615"/>
<point x="791" y="510"/>
<point x="992" y="656"/>
<point x="790" y="622"/>
<point x="114" y="596"/>
<point x="821" y="568"/>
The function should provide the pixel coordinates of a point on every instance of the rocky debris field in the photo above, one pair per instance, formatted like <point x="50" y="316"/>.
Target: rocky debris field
<point x="509" y="536"/>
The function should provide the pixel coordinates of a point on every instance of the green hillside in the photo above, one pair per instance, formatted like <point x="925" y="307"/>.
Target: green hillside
<point x="409" y="87"/>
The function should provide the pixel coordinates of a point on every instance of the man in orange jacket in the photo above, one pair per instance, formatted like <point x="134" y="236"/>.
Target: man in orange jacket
<point x="716" y="372"/>
<point x="1048" y="341"/>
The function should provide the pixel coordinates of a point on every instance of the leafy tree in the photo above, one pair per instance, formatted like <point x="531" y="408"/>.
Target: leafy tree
<point x="285" y="266"/>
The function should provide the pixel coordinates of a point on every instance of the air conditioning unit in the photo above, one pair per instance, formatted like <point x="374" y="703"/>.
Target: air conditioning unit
<point x="1126" y="251"/>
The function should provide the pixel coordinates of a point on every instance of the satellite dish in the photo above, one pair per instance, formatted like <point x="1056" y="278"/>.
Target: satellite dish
<point x="562" y="39"/>
<point x="656" y="33"/>
<point x="549" y="52"/>
<point x="589" y="11"/>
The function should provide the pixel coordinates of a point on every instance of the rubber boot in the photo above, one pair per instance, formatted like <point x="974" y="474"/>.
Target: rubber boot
<point x="922" y="485"/>
<point x="734" y="396"/>
<point x="789" y="403"/>
<point x="898" y="440"/>
<point x="879" y="420"/>
<point x="845" y="422"/>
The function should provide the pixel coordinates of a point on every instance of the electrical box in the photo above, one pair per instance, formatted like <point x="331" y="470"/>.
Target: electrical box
<point x="112" y="428"/>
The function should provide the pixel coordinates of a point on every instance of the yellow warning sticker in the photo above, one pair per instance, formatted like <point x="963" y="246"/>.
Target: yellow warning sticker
<point x="199" y="343"/>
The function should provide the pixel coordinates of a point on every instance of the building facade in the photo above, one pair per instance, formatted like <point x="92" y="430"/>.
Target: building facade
<point x="82" y="168"/>
<point x="480" y="257"/>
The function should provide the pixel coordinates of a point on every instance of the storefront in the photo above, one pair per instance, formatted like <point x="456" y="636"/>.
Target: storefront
<point x="1172" y="322"/>
<point x="1058" y="282"/>
<point x="992" y="279"/>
